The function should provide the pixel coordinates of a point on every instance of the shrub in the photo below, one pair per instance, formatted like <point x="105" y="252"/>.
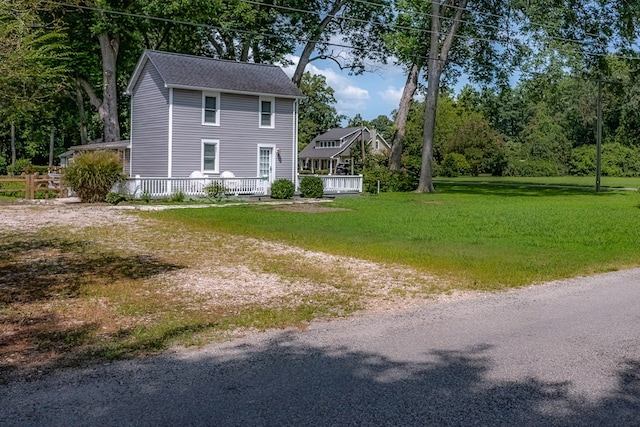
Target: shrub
<point x="389" y="180"/>
<point x="282" y="189"/>
<point x="93" y="174"/>
<point x="311" y="187"/>
<point x="215" y="191"/>
<point x="20" y="166"/>
<point x="454" y="164"/>
<point x="583" y="161"/>
<point x="3" y="165"/>
<point x="115" y="198"/>
<point x="177" y="197"/>
<point x="146" y="197"/>
<point x="531" y="168"/>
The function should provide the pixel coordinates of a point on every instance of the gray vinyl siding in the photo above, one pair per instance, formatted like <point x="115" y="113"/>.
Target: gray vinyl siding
<point x="149" y="125"/>
<point x="239" y="134"/>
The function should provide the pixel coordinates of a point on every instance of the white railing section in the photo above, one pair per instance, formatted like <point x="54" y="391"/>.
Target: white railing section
<point x="165" y="187"/>
<point x="336" y="184"/>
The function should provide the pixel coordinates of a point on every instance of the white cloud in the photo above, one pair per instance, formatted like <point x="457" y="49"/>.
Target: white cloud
<point x="391" y="95"/>
<point x="351" y="99"/>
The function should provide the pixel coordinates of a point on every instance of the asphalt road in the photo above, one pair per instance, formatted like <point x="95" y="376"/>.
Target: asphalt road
<point x="566" y="353"/>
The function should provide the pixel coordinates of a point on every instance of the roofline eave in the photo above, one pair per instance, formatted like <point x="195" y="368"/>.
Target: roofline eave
<point x="237" y="92"/>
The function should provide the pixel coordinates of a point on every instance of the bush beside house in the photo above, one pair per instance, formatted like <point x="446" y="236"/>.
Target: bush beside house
<point x="93" y="174"/>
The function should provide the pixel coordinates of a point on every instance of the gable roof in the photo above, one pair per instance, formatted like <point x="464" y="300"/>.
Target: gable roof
<point x="336" y="134"/>
<point x="346" y="135"/>
<point x="202" y="73"/>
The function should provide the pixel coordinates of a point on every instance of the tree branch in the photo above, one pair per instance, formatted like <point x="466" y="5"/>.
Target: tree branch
<point x="342" y="67"/>
<point x="93" y="98"/>
<point x="448" y="41"/>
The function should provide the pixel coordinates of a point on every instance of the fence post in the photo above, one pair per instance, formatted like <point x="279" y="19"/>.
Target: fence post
<point x="33" y="185"/>
<point x="28" y="187"/>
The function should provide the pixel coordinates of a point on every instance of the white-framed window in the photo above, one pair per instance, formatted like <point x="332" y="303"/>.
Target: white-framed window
<point x="267" y="117"/>
<point x="210" y="156"/>
<point x="211" y="108"/>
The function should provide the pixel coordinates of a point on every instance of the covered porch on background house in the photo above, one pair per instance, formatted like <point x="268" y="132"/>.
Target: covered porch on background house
<point x="315" y="165"/>
<point x="121" y="148"/>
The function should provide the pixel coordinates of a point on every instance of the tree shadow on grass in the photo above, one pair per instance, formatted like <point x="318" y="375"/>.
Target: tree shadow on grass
<point x="515" y="190"/>
<point x="289" y="383"/>
<point x="34" y="269"/>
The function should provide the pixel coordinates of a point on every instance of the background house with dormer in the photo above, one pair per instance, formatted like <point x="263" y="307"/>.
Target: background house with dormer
<point x="196" y="114"/>
<point x="325" y="152"/>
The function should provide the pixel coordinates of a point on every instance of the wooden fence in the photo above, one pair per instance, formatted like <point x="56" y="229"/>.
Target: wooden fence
<point x="29" y="185"/>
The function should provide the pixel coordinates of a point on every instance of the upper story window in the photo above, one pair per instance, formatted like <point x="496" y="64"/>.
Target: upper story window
<point x="267" y="112"/>
<point x="211" y="108"/>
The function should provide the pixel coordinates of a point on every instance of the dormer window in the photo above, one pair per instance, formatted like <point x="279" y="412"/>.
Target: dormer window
<point x="267" y="112"/>
<point x="211" y="109"/>
<point x="327" y="144"/>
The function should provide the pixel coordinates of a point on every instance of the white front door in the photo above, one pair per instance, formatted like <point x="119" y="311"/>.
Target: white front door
<point x="266" y="163"/>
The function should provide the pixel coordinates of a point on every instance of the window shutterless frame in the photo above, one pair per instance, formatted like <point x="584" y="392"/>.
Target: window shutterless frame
<point x="267" y="116"/>
<point x="210" y="156"/>
<point x="210" y="108"/>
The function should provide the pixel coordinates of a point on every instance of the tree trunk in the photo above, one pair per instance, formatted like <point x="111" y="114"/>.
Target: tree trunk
<point x="82" y="116"/>
<point x="109" y="47"/>
<point x="397" y="143"/>
<point x="13" y="143"/>
<point x="310" y="46"/>
<point x="107" y="106"/>
<point x="437" y="59"/>
<point x="51" y="144"/>
<point x="425" y="184"/>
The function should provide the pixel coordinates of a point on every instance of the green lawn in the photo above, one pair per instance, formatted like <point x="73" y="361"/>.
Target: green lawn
<point x="484" y="237"/>
<point x="579" y="181"/>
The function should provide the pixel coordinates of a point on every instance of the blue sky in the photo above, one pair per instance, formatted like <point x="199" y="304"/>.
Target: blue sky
<point x="369" y="94"/>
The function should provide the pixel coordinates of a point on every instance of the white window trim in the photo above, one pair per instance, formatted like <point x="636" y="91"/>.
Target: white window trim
<point x="218" y="103"/>
<point x="272" y="100"/>
<point x="215" y="142"/>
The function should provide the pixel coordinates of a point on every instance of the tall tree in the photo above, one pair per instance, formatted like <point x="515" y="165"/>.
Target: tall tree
<point x="438" y="54"/>
<point x="33" y="68"/>
<point x="316" y="112"/>
<point x="407" y="42"/>
<point x="360" y="24"/>
<point x="444" y="38"/>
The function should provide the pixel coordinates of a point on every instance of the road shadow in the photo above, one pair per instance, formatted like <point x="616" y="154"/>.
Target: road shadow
<point x="287" y="383"/>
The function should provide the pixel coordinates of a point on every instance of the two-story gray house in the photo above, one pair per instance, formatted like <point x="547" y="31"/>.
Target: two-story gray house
<point x="196" y="114"/>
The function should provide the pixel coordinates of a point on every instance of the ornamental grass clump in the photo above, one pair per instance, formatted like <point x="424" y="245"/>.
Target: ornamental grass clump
<point x="92" y="175"/>
<point x="282" y="189"/>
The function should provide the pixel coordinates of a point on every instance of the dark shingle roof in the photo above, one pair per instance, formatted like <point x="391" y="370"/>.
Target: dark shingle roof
<point x="199" y="72"/>
<point x="336" y="134"/>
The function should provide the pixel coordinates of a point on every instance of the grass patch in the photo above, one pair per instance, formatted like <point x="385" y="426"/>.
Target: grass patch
<point x="486" y="237"/>
<point x="578" y="181"/>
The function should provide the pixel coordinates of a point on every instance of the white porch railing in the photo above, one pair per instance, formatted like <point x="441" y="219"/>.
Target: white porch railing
<point x="336" y="184"/>
<point x="195" y="187"/>
<point x="165" y="187"/>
